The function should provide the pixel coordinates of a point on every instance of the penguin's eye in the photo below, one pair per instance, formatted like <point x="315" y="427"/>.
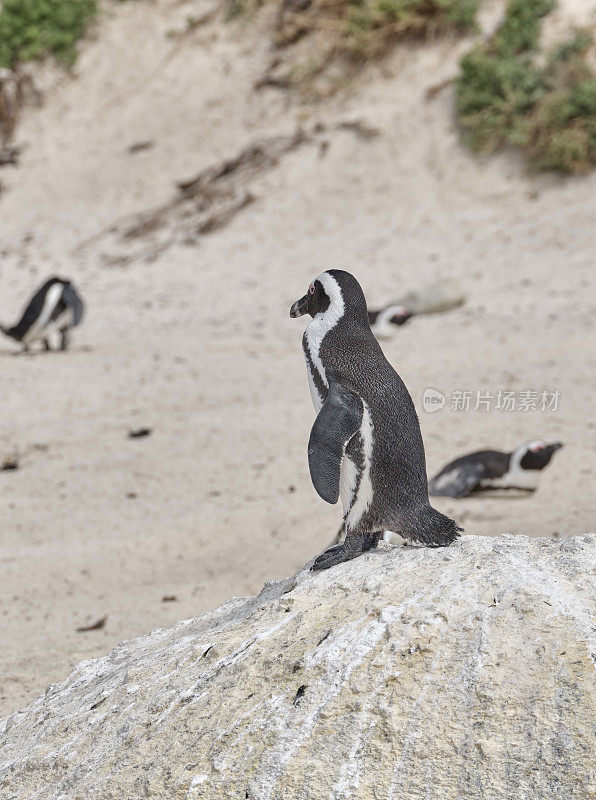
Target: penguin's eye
<point x="537" y="448"/>
<point x="311" y="289"/>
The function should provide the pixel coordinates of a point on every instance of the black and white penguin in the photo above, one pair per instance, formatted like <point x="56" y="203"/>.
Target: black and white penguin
<point x="489" y="470"/>
<point x="365" y="445"/>
<point x="381" y="321"/>
<point x="438" y="296"/>
<point x="55" y="307"/>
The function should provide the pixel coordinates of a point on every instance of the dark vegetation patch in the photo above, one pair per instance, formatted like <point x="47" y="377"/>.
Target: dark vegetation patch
<point x="33" y="29"/>
<point x="348" y="33"/>
<point x="365" y="29"/>
<point x="508" y="92"/>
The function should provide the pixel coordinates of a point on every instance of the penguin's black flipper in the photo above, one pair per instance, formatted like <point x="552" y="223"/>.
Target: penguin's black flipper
<point x="456" y="482"/>
<point x="338" y="420"/>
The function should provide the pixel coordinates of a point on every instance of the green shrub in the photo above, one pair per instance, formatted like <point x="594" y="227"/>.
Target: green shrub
<point x="560" y="133"/>
<point x="505" y="95"/>
<point x="372" y="26"/>
<point x="31" y="29"/>
<point x="347" y="32"/>
<point x="521" y="27"/>
<point x="493" y="94"/>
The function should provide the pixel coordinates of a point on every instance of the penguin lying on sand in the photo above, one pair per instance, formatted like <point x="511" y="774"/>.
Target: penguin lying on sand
<point x="381" y="321"/>
<point x="491" y="469"/>
<point x="56" y="307"/>
<point x="365" y="445"/>
<point x="441" y="295"/>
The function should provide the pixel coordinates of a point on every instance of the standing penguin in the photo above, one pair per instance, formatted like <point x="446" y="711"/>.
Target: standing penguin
<point x="487" y="470"/>
<point x="55" y="307"/>
<point x="365" y="445"/>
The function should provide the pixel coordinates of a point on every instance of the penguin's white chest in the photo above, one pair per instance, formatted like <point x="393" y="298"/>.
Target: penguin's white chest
<point x="51" y="300"/>
<point x="355" y="482"/>
<point x="515" y="478"/>
<point x="320" y="325"/>
<point x="315" y="333"/>
<point x="312" y="339"/>
<point x="316" y="398"/>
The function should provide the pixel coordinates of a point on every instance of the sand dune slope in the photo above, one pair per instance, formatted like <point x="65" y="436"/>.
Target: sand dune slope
<point x="191" y="337"/>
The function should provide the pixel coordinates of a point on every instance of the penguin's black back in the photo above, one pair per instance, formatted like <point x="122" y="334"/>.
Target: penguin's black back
<point x="494" y="463"/>
<point x="468" y="474"/>
<point x="398" y="466"/>
<point x="33" y="309"/>
<point x="357" y="358"/>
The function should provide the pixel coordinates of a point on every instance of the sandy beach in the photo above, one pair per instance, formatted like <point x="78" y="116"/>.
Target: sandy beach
<point x="190" y="335"/>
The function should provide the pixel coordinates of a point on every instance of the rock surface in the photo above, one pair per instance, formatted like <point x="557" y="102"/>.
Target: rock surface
<point x="407" y="673"/>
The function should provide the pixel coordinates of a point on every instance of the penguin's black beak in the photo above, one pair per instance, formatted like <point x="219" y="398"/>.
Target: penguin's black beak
<point x="300" y="307"/>
<point x="555" y="446"/>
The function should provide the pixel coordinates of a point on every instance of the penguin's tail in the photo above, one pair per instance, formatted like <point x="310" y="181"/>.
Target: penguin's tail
<point x="433" y="529"/>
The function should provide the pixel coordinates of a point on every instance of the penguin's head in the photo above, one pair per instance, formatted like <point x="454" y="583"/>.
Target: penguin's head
<point x="334" y="290"/>
<point x="537" y="454"/>
<point x="395" y="315"/>
<point x="399" y="315"/>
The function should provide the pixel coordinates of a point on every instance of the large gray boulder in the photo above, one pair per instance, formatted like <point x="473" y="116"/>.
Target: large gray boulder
<point x="407" y="673"/>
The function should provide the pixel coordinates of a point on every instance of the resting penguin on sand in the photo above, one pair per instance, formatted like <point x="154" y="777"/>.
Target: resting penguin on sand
<point x="55" y="307"/>
<point x="381" y="321"/>
<point x="489" y="470"/>
<point x="436" y="297"/>
<point x="365" y="445"/>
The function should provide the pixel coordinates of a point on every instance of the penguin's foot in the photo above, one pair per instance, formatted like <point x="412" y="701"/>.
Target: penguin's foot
<point x="354" y="545"/>
<point x="371" y="540"/>
<point x="332" y="556"/>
